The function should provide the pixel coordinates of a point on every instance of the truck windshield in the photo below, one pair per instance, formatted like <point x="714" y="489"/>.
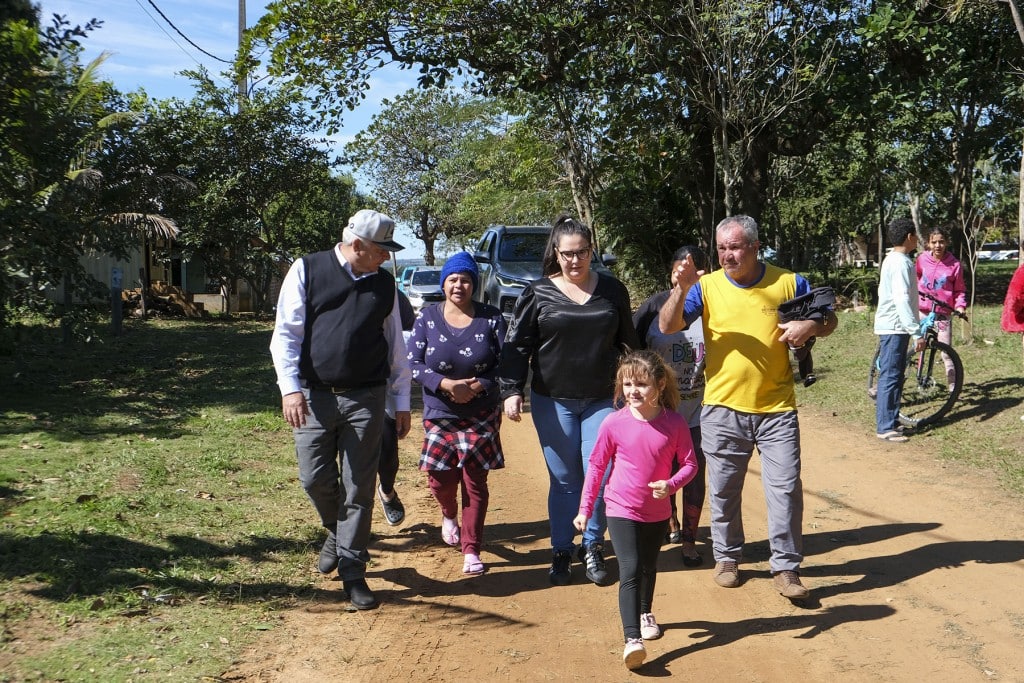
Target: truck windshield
<point x="426" y="277"/>
<point x="524" y="247"/>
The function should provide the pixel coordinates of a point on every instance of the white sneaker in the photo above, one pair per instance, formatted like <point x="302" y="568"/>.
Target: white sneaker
<point x="634" y="654"/>
<point x="649" y="628"/>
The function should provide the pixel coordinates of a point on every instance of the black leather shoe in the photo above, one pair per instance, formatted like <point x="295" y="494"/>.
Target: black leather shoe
<point x="329" y="554"/>
<point x="359" y="594"/>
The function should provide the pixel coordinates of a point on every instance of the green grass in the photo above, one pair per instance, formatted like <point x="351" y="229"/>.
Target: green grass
<point x="151" y="522"/>
<point x="984" y="427"/>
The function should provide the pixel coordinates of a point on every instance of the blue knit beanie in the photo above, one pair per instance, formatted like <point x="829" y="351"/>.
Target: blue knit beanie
<point x="461" y="262"/>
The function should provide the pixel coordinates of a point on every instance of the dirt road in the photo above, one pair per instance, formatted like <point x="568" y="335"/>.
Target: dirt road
<point x="916" y="568"/>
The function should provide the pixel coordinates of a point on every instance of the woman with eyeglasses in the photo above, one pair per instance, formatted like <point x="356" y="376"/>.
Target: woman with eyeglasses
<point x="570" y="327"/>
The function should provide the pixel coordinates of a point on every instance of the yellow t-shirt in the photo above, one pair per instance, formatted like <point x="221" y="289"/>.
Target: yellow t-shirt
<point x="747" y="366"/>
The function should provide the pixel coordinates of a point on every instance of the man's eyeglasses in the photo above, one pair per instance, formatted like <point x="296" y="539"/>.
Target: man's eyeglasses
<point x="581" y="254"/>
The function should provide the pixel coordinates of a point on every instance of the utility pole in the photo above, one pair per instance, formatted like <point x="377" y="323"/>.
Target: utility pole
<point x="242" y="89"/>
<point x="1019" y="25"/>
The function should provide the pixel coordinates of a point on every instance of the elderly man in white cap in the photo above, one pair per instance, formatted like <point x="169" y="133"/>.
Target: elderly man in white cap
<point x="338" y="351"/>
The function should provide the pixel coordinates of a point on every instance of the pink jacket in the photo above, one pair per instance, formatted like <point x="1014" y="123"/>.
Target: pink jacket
<point x="942" y="279"/>
<point x="1013" y="308"/>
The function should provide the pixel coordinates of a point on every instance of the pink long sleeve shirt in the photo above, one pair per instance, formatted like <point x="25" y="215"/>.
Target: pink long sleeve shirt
<point x="942" y="279"/>
<point x="638" y="453"/>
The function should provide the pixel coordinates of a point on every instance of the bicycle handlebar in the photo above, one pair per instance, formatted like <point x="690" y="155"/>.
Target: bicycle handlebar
<point x="926" y="322"/>
<point x="962" y="316"/>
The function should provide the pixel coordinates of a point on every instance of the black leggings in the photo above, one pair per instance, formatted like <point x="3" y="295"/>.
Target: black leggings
<point x="388" y="468"/>
<point x="637" y="545"/>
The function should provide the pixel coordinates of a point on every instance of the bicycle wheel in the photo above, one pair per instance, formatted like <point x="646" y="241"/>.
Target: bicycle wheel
<point x="927" y="394"/>
<point x="873" y="375"/>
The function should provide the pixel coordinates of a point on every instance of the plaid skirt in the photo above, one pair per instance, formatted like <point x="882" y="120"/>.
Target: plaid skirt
<point x="452" y="442"/>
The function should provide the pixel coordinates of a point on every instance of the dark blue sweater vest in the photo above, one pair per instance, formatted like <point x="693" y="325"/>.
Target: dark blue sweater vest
<point x="344" y="343"/>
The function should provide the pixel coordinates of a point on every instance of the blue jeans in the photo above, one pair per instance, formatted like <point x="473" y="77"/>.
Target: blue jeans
<point x="892" y="359"/>
<point x="567" y="430"/>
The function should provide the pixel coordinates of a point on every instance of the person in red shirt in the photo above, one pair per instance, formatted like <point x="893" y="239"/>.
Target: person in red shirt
<point x="1012" y="320"/>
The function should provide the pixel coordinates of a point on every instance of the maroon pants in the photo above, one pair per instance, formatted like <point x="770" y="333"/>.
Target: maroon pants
<point x="693" y="493"/>
<point x="472" y="479"/>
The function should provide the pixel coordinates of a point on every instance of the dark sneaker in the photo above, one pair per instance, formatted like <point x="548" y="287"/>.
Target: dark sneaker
<point x="593" y="556"/>
<point x="691" y="558"/>
<point x="789" y="586"/>
<point x="560" y="572"/>
<point x="727" y="574"/>
<point x="329" y="554"/>
<point x="394" y="511"/>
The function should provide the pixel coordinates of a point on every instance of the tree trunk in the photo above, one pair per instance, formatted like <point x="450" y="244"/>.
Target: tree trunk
<point x="914" y="200"/>
<point x="225" y="292"/>
<point x="578" y="161"/>
<point x="1019" y="25"/>
<point x="756" y="174"/>
<point x="1020" y="211"/>
<point x="427" y="237"/>
<point x="881" y="219"/>
<point x="65" y="321"/>
<point x="964" y="160"/>
<point x="703" y="184"/>
<point x="725" y="163"/>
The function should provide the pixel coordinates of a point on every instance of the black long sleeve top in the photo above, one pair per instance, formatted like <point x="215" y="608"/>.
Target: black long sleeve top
<point x="573" y="349"/>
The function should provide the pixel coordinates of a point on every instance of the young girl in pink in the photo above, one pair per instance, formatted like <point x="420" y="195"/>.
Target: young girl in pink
<point x="639" y="442"/>
<point x="940" y="274"/>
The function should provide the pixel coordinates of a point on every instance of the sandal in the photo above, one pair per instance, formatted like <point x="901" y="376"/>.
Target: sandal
<point x="449" y="531"/>
<point x="472" y="566"/>
<point x="674" y="536"/>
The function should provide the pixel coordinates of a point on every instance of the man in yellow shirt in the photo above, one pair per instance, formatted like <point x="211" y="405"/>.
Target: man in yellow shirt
<point x="749" y="399"/>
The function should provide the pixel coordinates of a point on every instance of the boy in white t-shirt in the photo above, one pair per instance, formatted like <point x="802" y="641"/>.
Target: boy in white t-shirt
<point x="896" y="321"/>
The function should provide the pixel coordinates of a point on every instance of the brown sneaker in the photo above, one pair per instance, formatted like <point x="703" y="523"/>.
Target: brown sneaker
<point x="727" y="574"/>
<point x="788" y="583"/>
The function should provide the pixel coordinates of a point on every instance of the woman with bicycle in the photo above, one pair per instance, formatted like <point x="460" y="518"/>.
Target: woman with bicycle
<point x="939" y="274"/>
<point x="895" y="323"/>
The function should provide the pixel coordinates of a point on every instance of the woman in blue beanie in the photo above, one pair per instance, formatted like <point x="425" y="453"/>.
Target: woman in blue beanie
<point x="453" y="351"/>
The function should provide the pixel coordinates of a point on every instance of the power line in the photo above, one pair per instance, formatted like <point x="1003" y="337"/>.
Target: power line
<point x="169" y="36"/>
<point x="189" y="40"/>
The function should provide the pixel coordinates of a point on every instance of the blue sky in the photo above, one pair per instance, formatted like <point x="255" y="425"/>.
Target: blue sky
<point x="147" y="53"/>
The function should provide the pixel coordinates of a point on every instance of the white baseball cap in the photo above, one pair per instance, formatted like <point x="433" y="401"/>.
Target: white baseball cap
<point x="375" y="227"/>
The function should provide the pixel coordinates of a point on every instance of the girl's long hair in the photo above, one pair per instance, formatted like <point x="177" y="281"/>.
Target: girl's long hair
<point x="647" y="365"/>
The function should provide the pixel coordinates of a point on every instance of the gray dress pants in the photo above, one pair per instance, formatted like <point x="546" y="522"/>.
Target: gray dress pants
<point x="338" y="451"/>
<point x="729" y="438"/>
